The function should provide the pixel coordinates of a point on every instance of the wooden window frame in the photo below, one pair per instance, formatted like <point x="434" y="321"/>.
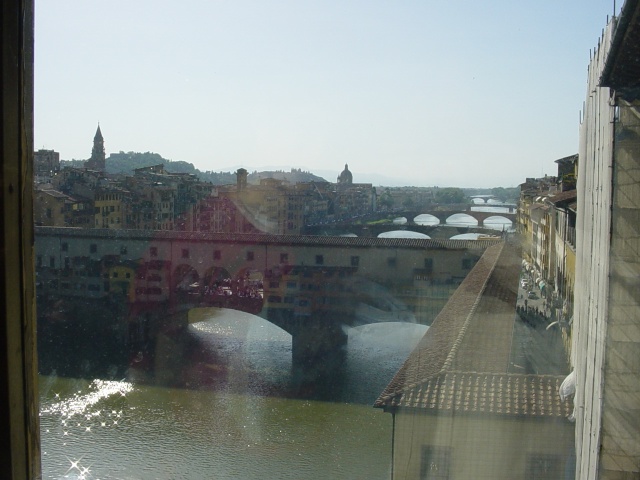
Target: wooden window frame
<point x="19" y="426"/>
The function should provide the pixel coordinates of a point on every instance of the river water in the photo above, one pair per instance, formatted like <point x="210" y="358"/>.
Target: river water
<point x="234" y="417"/>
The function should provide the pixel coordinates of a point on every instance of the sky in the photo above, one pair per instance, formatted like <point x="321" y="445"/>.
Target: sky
<point x="421" y="93"/>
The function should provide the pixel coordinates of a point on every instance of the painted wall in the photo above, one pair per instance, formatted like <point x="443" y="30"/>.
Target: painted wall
<point x="482" y="447"/>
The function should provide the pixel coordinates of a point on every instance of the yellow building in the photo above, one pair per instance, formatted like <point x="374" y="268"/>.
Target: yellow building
<point x="50" y="207"/>
<point x="121" y="280"/>
<point x="109" y="209"/>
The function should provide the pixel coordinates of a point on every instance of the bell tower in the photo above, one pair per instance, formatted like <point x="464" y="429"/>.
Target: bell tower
<point x="97" y="160"/>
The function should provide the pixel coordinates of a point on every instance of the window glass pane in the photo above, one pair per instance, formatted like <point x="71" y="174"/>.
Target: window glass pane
<point x="335" y="240"/>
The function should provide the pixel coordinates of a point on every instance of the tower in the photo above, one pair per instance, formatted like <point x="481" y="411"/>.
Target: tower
<point x="241" y="179"/>
<point x="97" y="160"/>
<point x="345" y="178"/>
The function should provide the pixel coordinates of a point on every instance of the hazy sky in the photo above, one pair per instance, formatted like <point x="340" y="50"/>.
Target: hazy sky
<point x="464" y="93"/>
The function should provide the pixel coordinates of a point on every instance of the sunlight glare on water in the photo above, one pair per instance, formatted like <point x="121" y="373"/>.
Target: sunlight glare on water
<point x="239" y="427"/>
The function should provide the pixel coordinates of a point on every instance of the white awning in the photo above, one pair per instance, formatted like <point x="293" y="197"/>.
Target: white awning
<point x="568" y="386"/>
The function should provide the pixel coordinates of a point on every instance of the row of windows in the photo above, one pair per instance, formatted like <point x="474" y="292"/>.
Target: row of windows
<point x="467" y="263"/>
<point x="116" y="275"/>
<point x="293" y="285"/>
<point x="106" y="223"/>
<point x="106" y="209"/>
<point x="92" y="287"/>
<point x="250" y="256"/>
<point x="113" y="196"/>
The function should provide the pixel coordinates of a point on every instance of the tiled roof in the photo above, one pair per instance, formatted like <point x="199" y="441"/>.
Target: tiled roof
<point x="462" y="362"/>
<point x="55" y="193"/>
<point x="256" y="239"/>
<point x="564" y="196"/>
<point x="492" y="393"/>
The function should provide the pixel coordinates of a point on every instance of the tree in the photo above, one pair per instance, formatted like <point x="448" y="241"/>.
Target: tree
<point x="386" y="200"/>
<point x="449" y="195"/>
<point x="408" y="202"/>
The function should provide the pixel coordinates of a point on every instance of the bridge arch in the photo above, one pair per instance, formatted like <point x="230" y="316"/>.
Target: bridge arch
<point x="497" y="222"/>
<point x="184" y="277"/>
<point x="214" y="275"/>
<point x="403" y="234"/>
<point x="462" y="220"/>
<point x="426" y="219"/>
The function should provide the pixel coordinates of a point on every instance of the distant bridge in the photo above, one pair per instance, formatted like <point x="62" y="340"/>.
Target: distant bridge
<point x="361" y="227"/>
<point x="441" y="214"/>
<point x="436" y="232"/>
<point x="444" y="215"/>
<point x="309" y="286"/>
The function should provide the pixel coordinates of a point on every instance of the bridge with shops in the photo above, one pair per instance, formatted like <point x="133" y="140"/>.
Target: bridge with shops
<point x="312" y="287"/>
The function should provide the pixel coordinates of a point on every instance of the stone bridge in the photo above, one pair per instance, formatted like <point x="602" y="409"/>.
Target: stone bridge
<point x="312" y="287"/>
<point x="444" y="215"/>
<point x="436" y="232"/>
<point x="441" y="214"/>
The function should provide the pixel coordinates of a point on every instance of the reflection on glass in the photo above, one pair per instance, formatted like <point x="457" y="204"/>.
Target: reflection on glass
<point x="201" y="323"/>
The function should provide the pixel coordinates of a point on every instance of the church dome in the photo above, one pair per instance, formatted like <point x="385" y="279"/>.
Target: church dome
<point x="345" y="176"/>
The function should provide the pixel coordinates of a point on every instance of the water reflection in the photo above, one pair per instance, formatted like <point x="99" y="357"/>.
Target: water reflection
<point x="468" y="236"/>
<point x="231" y="423"/>
<point x="426" y="219"/>
<point x="403" y="234"/>
<point x="462" y="220"/>
<point x="498" y="223"/>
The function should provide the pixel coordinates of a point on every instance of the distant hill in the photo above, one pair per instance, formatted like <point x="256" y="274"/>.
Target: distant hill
<point x="295" y="175"/>
<point x="126" y="162"/>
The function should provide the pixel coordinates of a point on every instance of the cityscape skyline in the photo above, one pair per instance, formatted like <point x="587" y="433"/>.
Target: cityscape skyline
<point x="403" y="92"/>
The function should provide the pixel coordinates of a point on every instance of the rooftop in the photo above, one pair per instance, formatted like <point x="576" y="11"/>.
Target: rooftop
<point x="462" y="364"/>
<point x="622" y="68"/>
<point x="564" y="196"/>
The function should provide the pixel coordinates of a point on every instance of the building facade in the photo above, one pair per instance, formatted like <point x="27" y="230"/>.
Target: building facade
<point x="606" y="324"/>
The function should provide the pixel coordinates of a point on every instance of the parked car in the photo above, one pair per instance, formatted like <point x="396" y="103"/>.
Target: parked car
<point x="531" y="294"/>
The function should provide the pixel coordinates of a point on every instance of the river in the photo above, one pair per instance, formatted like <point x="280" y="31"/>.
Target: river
<point x="236" y="419"/>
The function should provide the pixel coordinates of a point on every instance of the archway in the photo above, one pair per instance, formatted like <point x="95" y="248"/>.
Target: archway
<point x="185" y="279"/>
<point x="497" y="222"/>
<point x="426" y="219"/>
<point x="214" y="274"/>
<point x="461" y="220"/>
<point x="214" y="279"/>
<point x="403" y="234"/>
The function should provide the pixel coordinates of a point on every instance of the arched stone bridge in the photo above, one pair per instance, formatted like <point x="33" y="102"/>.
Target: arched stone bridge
<point x="444" y="215"/>
<point x="441" y="214"/>
<point x="309" y="286"/>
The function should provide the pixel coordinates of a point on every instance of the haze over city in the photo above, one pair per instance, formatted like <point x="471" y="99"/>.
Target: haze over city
<point x="414" y="93"/>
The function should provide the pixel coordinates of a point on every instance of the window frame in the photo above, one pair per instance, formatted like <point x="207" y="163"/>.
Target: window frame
<point x="19" y="423"/>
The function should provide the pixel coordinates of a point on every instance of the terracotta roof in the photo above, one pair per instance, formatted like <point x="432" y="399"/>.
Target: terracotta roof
<point x="462" y="362"/>
<point x="564" y="196"/>
<point x="55" y="193"/>
<point x="492" y="393"/>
